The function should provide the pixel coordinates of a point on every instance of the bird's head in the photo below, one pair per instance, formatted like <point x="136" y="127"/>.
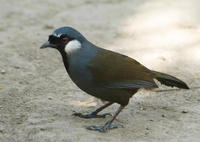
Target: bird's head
<point x="61" y="37"/>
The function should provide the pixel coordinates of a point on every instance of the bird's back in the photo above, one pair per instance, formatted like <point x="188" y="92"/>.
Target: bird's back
<point x="116" y="70"/>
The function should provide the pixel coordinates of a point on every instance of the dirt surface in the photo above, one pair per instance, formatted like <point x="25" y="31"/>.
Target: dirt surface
<point x="37" y="97"/>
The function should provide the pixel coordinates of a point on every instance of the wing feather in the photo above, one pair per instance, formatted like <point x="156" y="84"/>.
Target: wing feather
<point x="114" y="70"/>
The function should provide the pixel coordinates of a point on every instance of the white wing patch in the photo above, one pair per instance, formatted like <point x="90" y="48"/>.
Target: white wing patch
<point x="72" y="46"/>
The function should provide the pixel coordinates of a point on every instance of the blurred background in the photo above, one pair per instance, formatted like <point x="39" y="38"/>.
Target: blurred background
<point x="37" y="97"/>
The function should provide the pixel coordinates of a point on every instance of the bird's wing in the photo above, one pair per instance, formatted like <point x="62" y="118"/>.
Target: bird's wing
<point x="114" y="70"/>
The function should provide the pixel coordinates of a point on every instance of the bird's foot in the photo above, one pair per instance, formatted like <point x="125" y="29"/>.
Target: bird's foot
<point x="91" y="115"/>
<point x="104" y="128"/>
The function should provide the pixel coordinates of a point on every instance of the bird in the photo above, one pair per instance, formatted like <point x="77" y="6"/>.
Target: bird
<point x="104" y="74"/>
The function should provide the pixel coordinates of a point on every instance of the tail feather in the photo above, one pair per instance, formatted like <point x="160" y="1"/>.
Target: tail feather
<point x="169" y="80"/>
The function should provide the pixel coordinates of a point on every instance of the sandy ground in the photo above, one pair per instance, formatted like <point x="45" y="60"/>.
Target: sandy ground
<point x="37" y="96"/>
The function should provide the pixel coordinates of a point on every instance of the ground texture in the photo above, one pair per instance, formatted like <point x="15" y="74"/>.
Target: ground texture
<point x="37" y="97"/>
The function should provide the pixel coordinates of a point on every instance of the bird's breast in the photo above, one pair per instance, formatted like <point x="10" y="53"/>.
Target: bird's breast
<point x="78" y="68"/>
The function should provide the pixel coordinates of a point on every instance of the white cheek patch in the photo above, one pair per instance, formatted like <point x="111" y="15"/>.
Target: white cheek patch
<point x="72" y="46"/>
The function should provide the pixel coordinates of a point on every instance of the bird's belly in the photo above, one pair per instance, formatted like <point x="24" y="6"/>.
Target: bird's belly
<point x="86" y="83"/>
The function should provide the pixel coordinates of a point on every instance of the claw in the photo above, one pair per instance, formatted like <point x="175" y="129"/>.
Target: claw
<point x="91" y="115"/>
<point x="104" y="128"/>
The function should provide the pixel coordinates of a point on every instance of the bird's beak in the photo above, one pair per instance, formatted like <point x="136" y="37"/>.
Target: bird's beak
<point x="47" y="44"/>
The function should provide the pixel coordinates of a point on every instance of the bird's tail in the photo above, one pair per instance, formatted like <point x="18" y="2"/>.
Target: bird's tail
<point x="169" y="80"/>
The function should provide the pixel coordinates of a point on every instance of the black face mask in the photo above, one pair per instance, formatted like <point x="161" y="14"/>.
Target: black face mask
<point x="54" y="40"/>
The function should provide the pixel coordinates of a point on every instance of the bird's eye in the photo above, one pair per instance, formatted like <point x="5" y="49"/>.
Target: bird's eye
<point x="64" y="39"/>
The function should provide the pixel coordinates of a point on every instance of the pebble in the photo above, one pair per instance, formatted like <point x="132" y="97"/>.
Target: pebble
<point x="16" y="67"/>
<point x="163" y="115"/>
<point x="3" y="71"/>
<point x="49" y="26"/>
<point x="147" y="128"/>
<point x="184" y="111"/>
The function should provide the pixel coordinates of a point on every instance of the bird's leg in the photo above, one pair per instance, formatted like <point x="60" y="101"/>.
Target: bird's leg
<point x="95" y="112"/>
<point x="108" y="124"/>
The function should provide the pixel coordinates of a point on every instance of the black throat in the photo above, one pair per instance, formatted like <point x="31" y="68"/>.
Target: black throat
<point x="65" y="59"/>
